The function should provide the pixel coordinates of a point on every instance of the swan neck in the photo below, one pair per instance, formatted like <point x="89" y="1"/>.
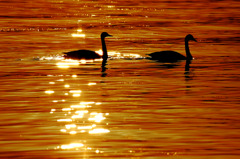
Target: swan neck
<point x="104" y="48"/>
<point x="188" y="54"/>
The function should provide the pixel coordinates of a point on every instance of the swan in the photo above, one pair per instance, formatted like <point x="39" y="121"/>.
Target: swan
<point x="173" y="56"/>
<point x="88" y="54"/>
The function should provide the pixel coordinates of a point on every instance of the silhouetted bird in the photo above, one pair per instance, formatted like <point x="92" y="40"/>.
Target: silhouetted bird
<point x="172" y="56"/>
<point x="88" y="54"/>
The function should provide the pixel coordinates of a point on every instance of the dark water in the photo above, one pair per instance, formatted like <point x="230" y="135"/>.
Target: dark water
<point x="136" y="108"/>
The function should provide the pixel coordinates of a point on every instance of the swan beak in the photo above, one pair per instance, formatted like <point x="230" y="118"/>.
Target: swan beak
<point x="194" y="40"/>
<point x="109" y="35"/>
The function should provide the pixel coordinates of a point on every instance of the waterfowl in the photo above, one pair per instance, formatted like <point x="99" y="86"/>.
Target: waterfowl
<point x="88" y="54"/>
<point x="173" y="56"/>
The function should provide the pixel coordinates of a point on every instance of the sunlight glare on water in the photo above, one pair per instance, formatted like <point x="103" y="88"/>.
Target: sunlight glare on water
<point x="128" y="106"/>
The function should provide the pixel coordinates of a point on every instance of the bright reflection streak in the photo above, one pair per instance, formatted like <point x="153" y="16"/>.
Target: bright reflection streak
<point x="52" y="110"/>
<point x="85" y="127"/>
<point x="81" y="112"/>
<point x="80" y="106"/>
<point x="83" y="61"/>
<point x="72" y="132"/>
<point x="90" y="84"/>
<point x="49" y="92"/>
<point x="69" y="126"/>
<point x="75" y="91"/>
<point x="118" y="55"/>
<point x="78" y="35"/>
<point x="66" y="109"/>
<point x="77" y="116"/>
<point x="85" y="103"/>
<point x="98" y="131"/>
<point x="63" y="130"/>
<point x="74" y="76"/>
<point x="51" y="58"/>
<point x="97" y="117"/>
<point x="67" y="63"/>
<point x="51" y="82"/>
<point x="100" y="52"/>
<point x="66" y="85"/>
<point x="72" y="146"/>
<point x="64" y="120"/>
<point x="76" y="95"/>
<point x="78" y="119"/>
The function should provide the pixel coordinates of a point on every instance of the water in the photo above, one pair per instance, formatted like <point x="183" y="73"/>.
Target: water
<point x="136" y="108"/>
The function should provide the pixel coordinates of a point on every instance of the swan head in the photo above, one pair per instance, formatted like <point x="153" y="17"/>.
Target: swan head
<point x="105" y="34"/>
<point x="190" y="37"/>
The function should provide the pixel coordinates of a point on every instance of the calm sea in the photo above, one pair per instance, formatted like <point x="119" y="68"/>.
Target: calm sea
<point x="134" y="107"/>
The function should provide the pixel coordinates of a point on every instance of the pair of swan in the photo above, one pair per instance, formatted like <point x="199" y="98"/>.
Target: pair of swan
<point x="162" y="56"/>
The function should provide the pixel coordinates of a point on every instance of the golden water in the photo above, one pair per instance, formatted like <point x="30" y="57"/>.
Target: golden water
<point x="136" y="108"/>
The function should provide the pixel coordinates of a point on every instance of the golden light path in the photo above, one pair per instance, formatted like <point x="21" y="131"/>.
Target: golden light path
<point x="78" y="118"/>
<point x="66" y="63"/>
<point x="81" y="117"/>
<point x="78" y="34"/>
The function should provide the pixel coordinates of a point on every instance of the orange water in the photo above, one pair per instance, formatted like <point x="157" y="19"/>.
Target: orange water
<point x="136" y="108"/>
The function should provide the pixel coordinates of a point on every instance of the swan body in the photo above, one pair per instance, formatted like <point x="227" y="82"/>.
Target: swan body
<point x="173" y="56"/>
<point x="88" y="54"/>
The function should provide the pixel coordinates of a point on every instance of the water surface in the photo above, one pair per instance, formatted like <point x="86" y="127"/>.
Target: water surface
<point x="135" y="107"/>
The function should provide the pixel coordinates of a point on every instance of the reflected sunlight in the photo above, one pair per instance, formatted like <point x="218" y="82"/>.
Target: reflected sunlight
<point x="98" y="131"/>
<point x="90" y="84"/>
<point x="78" y="34"/>
<point x="78" y="118"/>
<point x="67" y="63"/>
<point x="97" y="117"/>
<point x="72" y="146"/>
<point x="49" y="92"/>
<point x="118" y="55"/>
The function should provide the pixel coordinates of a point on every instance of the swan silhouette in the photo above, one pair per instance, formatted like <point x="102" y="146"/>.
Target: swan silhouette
<point x="173" y="56"/>
<point x="88" y="54"/>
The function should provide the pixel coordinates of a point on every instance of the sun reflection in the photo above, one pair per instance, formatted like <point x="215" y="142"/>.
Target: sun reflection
<point x="91" y="84"/>
<point x="72" y="146"/>
<point x="75" y="91"/>
<point x="80" y="106"/>
<point x="117" y="55"/>
<point x="66" y="85"/>
<point x="78" y="118"/>
<point x="98" y="131"/>
<point x="49" y="92"/>
<point x="97" y="117"/>
<point x="78" y="34"/>
<point x="79" y="112"/>
<point x="64" y="120"/>
<point x="69" y="126"/>
<point x="66" y="63"/>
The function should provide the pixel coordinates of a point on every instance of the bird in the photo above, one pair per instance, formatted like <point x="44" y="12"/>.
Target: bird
<point x="173" y="56"/>
<point x="88" y="54"/>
